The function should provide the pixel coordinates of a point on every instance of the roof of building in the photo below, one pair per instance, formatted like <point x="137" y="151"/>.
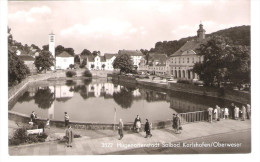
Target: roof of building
<point x="189" y="48"/>
<point x="91" y="58"/>
<point x="157" y="57"/>
<point x="64" y="54"/>
<point x="109" y="56"/>
<point x="131" y="52"/>
<point x="26" y="58"/>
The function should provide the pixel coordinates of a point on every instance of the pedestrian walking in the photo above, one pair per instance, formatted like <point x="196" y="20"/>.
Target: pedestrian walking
<point x="66" y="118"/>
<point x="173" y="122"/>
<point x="236" y="113"/>
<point x="137" y="123"/>
<point x="69" y="135"/>
<point x="147" y="129"/>
<point x="120" y="129"/>
<point x="178" y="124"/>
<point x="219" y="112"/>
<point x="226" y="113"/>
<point x="232" y="110"/>
<point x="210" y="113"/>
<point x="243" y="111"/>
<point x="248" y="110"/>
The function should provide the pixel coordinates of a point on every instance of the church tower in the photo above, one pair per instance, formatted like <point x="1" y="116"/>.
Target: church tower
<point x="201" y="33"/>
<point x="52" y="46"/>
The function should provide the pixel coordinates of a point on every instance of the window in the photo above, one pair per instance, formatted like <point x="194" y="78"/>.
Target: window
<point x="52" y="39"/>
<point x="182" y="60"/>
<point x="192" y="59"/>
<point x="179" y="60"/>
<point x="188" y="60"/>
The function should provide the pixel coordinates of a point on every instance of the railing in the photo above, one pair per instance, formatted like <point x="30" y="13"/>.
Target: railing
<point x="196" y="116"/>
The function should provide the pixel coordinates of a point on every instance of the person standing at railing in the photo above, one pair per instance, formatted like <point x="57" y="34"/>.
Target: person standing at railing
<point x="210" y="113"/>
<point x="215" y="114"/>
<point x="226" y="113"/>
<point x="248" y="110"/>
<point x="236" y="113"/>
<point x="219" y="112"/>
<point x="173" y="122"/>
<point x="243" y="111"/>
<point x="232" y="110"/>
<point x="178" y="124"/>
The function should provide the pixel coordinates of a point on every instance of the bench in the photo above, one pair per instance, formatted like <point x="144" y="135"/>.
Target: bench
<point x="34" y="131"/>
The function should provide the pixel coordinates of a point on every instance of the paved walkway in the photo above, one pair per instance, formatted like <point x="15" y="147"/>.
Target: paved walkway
<point x="88" y="145"/>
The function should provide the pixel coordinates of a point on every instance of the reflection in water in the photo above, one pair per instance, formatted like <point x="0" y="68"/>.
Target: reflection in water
<point x="88" y="100"/>
<point x="124" y="97"/>
<point x="44" y="97"/>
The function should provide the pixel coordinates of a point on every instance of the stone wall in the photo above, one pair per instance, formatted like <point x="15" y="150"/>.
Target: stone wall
<point x="226" y="94"/>
<point x="18" y="117"/>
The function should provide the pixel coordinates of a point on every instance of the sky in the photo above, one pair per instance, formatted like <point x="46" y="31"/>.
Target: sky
<point x="109" y="26"/>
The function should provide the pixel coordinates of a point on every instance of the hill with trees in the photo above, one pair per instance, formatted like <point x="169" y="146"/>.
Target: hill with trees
<point x="239" y="35"/>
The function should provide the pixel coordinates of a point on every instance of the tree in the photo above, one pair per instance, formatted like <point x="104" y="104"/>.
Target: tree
<point x="44" y="61"/>
<point x="146" y="53"/>
<point x="103" y="66"/>
<point x="96" y="53"/>
<point x="70" y="51"/>
<point x="223" y="62"/>
<point x="84" y="63"/>
<point x="124" y="63"/>
<point x="92" y="66"/>
<point x="85" y="52"/>
<point x="59" y="49"/>
<point x="35" y="47"/>
<point x="45" y="47"/>
<point x="77" y="59"/>
<point x="17" y="70"/>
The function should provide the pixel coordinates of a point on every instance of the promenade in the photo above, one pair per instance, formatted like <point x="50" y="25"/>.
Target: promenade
<point x="96" y="142"/>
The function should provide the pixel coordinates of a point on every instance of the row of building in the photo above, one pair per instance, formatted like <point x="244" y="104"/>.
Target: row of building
<point x="178" y="65"/>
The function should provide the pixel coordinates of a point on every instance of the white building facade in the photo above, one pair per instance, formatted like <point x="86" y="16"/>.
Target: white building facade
<point x="180" y="64"/>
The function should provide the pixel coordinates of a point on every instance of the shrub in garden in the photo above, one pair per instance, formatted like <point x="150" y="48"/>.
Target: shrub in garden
<point x="20" y="136"/>
<point x="70" y="74"/>
<point x="87" y="73"/>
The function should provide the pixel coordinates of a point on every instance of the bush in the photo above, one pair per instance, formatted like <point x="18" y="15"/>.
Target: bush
<point x="87" y="73"/>
<point x="14" y="141"/>
<point x="70" y="74"/>
<point x="71" y="66"/>
<point x="20" y="136"/>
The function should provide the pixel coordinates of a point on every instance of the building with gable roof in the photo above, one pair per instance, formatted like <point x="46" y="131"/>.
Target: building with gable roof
<point x="136" y="56"/>
<point x="99" y="62"/>
<point x="182" y="61"/>
<point x="155" y="63"/>
<point x="64" y="60"/>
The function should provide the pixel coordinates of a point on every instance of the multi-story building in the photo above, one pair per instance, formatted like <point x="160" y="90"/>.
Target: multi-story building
<point x="136" y="56"/>
<point x="182" y="61"/>
<point x="99" y="62"/>
<point x="155" y="63"/>
<point x="64" y="60"/>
